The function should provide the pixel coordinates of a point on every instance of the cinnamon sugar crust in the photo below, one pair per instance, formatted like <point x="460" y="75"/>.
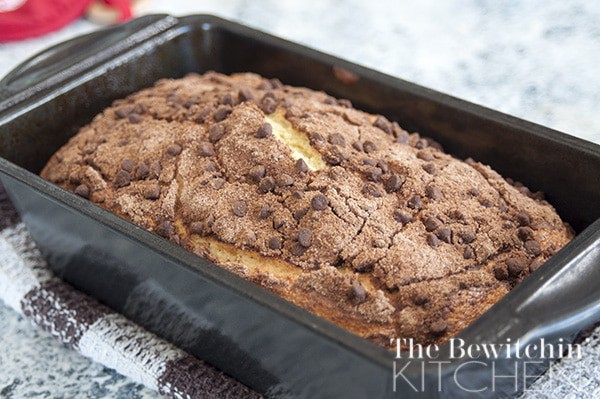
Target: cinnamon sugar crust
<point x="338" y="211"/>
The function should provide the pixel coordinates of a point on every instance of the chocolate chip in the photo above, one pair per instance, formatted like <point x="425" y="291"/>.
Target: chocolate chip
<point x="316" y="138"/>
<point x="142" y="171"/>
<point x="337" y="139"/>
<point x="305" y="237"/>
<point x="372" y="190"/>
<point x="474" y="191"/>
<point x="468" y="253"/>
<point x="383" y="124"/>
<point x="420" y="299"/>
<point x="298" y="214"/>
<point x="274" y="243"/>
<point x="266" y="184"/>
<point x="421" y="143"/>
<point x="514" y="266"/>
<point x="369" y="146"/>
<point x="403" y="216"/>
<point x="432" y="223"/>
<point x="122" y="179"/>
<point x="199" y="228"/>
<point x="217" y="183"/>
<point x="216" y="132"/>
<point x="269" y="94"/>
<point x="135" y="118"/>
<point x="284" y="180"/>
<point x="486" y="202"/>
<point x="268" y="105"/>
<point x="264" y="131"/>
<point x="357" y="145"/>
<point x="239" y="208"/>
<point x="467" y="236"/>
<point x="370" y="162"/>
<point x="319" y="202"/>
<point x="83" y="191"/>
<point x="301" y="166"/>
<point x="415" y="202"/>
<point x="374" y="173"/>
<point x="525" y="233"/>
<point x="152" y="192"/>
<point x="438" y="327"/>
<point x="193" y="100"/>
<point x="357" y="293"/>
<point x="433" y="192"/>
<point x="344" y="103"/>
<point x="541" y="224"/>
<point x="221" y="113"/>
<point x="429" y="168"/>
<point x="266" y="85"/>
<point x="445" y="235"/>
<point x="165" y="229"/>
<point x="500" y="273"/>
<point x="75" y="178"/>
<point x="154" y="170"/>
<point x="381" y="164"/>
<point x="245" y="94"/>
<point x="265" y="212"/>
<point x="89" y="149"/>
<point x="533" y="247"/>
<point x="297" y="250"/>
<point x="433" y="240"/>
<point x="127" y="165"/>
<point x="334" y="157"/>
<point x="276" y="83"/>
<point x="206" y="149"/>
<point x="227" y="99"/>
<point x="123" y="112"/>
<point x="393" y="183"/>
<point x="298" y="195"/>
<point x="425" y="155"/>
<point x="534" y="265"/>
<point x="538" y="195"/>
<point x="291" y="111"/>
<point x="200" y="117"/>
<point x="402" y="138"/>
<point x="523" y="219"/>
<point x="257" y="172"/>
<point x="363" y="266"/>
<point x="174" y="149"/>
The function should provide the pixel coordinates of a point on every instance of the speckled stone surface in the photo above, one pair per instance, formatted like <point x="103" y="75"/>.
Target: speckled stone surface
<point x="533" y="59"/>
<point x="34" y="364"/>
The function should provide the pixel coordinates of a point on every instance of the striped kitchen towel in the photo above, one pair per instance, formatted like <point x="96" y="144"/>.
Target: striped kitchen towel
<point x="29" y="287"/>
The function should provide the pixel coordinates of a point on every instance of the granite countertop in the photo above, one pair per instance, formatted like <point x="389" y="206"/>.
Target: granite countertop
<point x="532" y="59"/>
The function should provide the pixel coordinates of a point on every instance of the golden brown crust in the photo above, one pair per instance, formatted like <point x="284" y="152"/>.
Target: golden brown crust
<point x="376" y="229"/>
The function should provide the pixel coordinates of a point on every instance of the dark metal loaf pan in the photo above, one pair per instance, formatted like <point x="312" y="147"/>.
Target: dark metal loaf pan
<point x="262" y="340"/>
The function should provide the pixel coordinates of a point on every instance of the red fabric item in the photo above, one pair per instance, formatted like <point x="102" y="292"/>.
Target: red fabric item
<point x="123" y="6"/>
<point x="38" y="17"/>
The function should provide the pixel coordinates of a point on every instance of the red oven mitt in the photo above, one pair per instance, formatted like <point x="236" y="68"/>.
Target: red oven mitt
<point x="37" y="17"/>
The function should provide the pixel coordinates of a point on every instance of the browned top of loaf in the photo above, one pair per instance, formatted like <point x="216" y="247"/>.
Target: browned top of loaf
<point x="388" y="236"/>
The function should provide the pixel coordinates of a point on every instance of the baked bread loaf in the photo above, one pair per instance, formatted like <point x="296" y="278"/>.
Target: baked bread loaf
<point x="338" y="211"/>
